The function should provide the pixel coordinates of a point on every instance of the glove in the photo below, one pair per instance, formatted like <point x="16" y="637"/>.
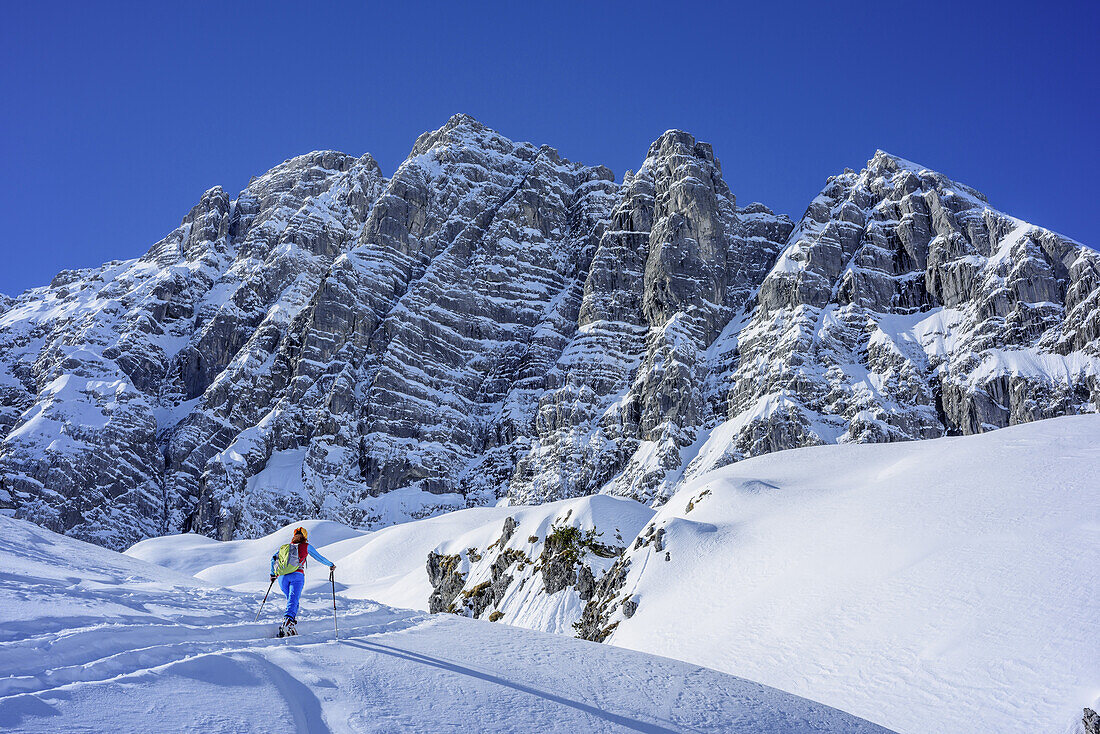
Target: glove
<point x="332" y="567"/>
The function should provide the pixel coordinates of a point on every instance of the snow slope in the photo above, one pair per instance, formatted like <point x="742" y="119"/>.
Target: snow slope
<point x="388" y="565"/>
<point x="927" y="586"/>
<point x="923" y="585"/>
<point x="98" y="641"/>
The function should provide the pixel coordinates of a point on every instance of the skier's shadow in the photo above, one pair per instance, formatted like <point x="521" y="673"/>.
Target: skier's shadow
<point x="416" y="657"/>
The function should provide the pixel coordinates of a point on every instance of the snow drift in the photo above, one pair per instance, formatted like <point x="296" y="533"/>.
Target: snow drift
<point x="927" y="585"/>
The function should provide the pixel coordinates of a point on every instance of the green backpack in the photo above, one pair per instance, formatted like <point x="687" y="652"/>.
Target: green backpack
<point x="286" y="560"/>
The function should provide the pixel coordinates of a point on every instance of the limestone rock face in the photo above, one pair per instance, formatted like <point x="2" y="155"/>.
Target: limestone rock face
<point x="904" y="307"/>
<point x="675" y="263"/>
<point x="118" y="384"/>
<point x="493" y="321"/>
<point x="555" y="567"/>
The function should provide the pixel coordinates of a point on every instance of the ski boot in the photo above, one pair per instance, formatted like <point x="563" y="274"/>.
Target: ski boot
<point x="288" y="627"/>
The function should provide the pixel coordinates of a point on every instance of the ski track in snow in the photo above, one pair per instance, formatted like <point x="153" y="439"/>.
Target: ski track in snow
<point x="99" y="641"/>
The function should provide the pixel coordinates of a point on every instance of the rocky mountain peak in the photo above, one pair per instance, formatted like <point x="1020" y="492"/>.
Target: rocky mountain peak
<point x="213" y="200"/>
<point x="882" y="161"/>
<point x="673" y="143"/>
<point x="462" y="132"/>
<point x="494" y="321"/>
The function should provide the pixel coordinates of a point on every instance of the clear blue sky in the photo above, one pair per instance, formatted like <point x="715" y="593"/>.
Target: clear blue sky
<point x="114" y="120"/>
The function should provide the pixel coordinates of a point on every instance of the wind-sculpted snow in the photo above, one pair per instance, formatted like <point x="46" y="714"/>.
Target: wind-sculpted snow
<point x="98" y="641"/>
<point x="496" y="322"/>
<point x="944" y="585"/>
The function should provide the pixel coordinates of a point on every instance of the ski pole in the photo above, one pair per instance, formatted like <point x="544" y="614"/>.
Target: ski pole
<point x="257" y="619"/>
<point x="335" y="626"/>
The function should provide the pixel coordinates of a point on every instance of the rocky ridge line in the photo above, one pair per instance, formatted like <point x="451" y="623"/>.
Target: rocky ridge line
<point x="494" y="321"/>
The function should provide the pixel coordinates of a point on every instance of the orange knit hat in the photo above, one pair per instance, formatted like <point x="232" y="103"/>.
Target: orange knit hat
<point x="302" y="530"/>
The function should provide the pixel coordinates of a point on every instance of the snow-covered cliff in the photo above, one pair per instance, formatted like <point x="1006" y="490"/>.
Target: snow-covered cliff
<point x="493" y="321"/>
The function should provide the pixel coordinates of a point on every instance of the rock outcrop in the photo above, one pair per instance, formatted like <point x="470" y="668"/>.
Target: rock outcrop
<point x="1091" y="721"/>
<point x="904" y="307"/>
<point x="494" y="321"/>
<point x="556" y="567"/>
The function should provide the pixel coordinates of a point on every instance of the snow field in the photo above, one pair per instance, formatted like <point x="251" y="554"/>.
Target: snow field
<point x="922" y="585"/>
<point x="100" y="641"/>
<point x="925" y="585"/>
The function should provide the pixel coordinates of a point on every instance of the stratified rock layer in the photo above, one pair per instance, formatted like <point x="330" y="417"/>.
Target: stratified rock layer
<point x="496" y="321"/>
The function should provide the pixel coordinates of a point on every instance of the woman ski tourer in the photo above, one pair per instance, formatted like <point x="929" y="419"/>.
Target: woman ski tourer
<point x="289" y="566"/>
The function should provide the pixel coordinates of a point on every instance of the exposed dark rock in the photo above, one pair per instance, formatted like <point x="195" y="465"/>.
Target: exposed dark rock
<point x="446" y="581"/>
<point x="652" y="536"/>
<point x="560" y="555"/>
<point x="595" y="623"/>
<point x="1091" y="722"/>
<point x="586" y="583"/>
<point x="508" y="531"/>
<point x="449" y="592"/>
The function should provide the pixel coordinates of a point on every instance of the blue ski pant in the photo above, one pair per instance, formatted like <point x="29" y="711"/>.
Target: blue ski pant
<point x="291" y="584"/>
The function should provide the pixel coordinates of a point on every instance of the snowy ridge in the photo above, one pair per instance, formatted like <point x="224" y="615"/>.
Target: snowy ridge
<point x="494" y="322"/>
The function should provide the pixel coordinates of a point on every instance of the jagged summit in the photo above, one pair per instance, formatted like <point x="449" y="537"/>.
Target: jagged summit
<point x="494" y="321"/>
<point x="888" y="161"/>
<point x="461" y="119"/>
<point x="460" y="130"/>
<point x="463" y="131"/>
<point x="673" y="138"/>
<point x="883" y="163"/>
